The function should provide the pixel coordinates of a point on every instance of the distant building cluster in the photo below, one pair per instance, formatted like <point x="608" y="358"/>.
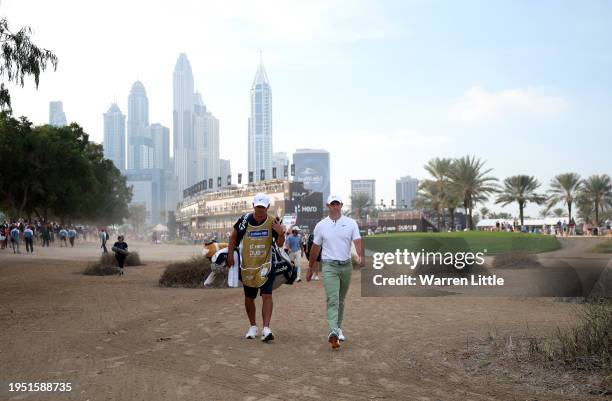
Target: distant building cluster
<point x="159" y="181"/>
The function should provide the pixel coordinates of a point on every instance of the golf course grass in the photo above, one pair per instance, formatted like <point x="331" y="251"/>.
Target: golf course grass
<point x="474" y="241"/>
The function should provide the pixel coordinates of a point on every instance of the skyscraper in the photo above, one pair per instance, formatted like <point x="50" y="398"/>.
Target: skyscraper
<point x="206" y="138"/>
<point x="260" y="126"/>
<point x="160" y="139"/>
<point x="114" y="136"/>
<point x="182" y="125"/>
<point x="57" y="117"/>
<point x="140" y="147"/>
<point x="405" y="191"/>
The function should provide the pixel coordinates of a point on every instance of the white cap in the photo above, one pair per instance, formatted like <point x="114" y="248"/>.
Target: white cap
<point x="295" y="228"/>
<point x="261" y="199"/>
<point x="332" y="198"/>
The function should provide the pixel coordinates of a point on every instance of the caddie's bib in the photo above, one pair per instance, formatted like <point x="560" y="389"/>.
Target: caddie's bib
<point x="256" y="254"/>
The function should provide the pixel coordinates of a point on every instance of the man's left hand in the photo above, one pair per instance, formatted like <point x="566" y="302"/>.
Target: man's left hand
<point x="280" y="230"/>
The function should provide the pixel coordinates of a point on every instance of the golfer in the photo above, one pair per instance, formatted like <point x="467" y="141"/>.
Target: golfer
<point x="334" y="234"/>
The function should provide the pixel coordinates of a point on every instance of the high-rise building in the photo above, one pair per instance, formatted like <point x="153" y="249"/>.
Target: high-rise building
<point x="206" y="139"/>
<point x="160" y="140"/>
<point x="182" y="125"/>
<point x="57" y="117"/>
<point x="260" y="126"/>
<point x="367" y="187"/>
<point x="312" y="168"/>
<point x="114" y="136"/>
<point x="140" y="147"/>
<point x="225" y="171"/>
<point x="406" y="189"/>
<point x="280" y="162"/>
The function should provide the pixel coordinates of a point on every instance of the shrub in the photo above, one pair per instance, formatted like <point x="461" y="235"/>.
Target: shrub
<point x="133" y="259"/>
<point x="586" y="346"/>
<point x="515" y="260"/>
<point x="188" y="274"/>
<point x="98" y="269"/>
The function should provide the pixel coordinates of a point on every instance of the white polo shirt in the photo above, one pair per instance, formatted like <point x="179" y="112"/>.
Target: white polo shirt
<point x="335" y="237"/>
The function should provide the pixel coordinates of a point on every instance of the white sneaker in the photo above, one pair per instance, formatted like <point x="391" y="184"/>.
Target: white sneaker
<point x="340" y="335"/>
<point x="316" y="278"/>
<point x="266" y="335"/>
<point x="252" y="333"/>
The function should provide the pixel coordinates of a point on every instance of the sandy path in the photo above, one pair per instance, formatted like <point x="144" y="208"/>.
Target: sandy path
<point x="127" y="339"/>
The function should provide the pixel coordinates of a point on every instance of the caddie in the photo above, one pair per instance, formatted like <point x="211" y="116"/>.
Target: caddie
<point x="254" y="234"/>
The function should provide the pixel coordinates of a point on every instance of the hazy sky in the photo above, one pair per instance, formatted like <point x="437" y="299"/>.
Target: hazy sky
<point x="383" y="86"/>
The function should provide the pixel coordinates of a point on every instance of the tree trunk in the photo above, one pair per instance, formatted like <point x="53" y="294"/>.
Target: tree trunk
<point x="521" y="206"/>
<point x="569" y="210"/>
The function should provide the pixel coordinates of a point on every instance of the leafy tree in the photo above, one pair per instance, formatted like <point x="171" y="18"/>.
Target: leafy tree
<point x="597" y="192"/>
<point x="520" y="189"/>
<point x="564" y="189"/>
<point x="470" y="181"/>
<point x="19" y="57"/>
<point x="57" y="172"/>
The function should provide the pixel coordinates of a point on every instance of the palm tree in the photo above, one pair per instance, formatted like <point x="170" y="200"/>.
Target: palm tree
<point x="470" y="181"/>
<point x="429" y="197"/>
<point x="597" y="191"/>
<point x="439" y="170"/>
<point x="558" y="212"/>
<point x="520" y="189"/>
<point x="484" y="212"/>
<point x="359" y="203"/>
<point x="564" y="189"/>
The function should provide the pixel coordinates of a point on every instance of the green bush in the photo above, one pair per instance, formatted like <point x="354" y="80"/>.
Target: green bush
<point x="187" y="274"/>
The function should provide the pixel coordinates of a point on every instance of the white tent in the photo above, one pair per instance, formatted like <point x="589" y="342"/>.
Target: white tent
<point x="160" y="228"/>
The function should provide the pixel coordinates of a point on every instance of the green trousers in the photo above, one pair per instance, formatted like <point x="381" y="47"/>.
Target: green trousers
<point x="336" y="280"/>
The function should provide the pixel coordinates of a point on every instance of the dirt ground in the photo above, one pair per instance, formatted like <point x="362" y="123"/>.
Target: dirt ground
<point x="125" y="338"/>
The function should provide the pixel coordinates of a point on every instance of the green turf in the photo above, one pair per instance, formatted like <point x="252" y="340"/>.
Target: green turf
<point x="604" y="247"/>
<point x="473" y="241"/>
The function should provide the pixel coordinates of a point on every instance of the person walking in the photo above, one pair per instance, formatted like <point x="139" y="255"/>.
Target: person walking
<point x="335" y="234"/>
<point x="293" y="244"/>
<point x="15" y="239"/>
<point x="71" y="236"/>
<point x="104" y="238"/>
<point x="28" y="236"/>
<point x="63" y="234"/>
<point x="46" y="235"/>
<point x="254" y="234"/>
<point x="121" y="252"/>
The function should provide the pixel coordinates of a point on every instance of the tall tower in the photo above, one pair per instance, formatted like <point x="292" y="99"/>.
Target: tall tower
<point x="114" y="136"/>
<point x="260" y="126"/>
<point x="182" y="125"/>
<point x="57" y="117"/>
<point x="140" y="149"/>
<point x="206" y="139"/>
